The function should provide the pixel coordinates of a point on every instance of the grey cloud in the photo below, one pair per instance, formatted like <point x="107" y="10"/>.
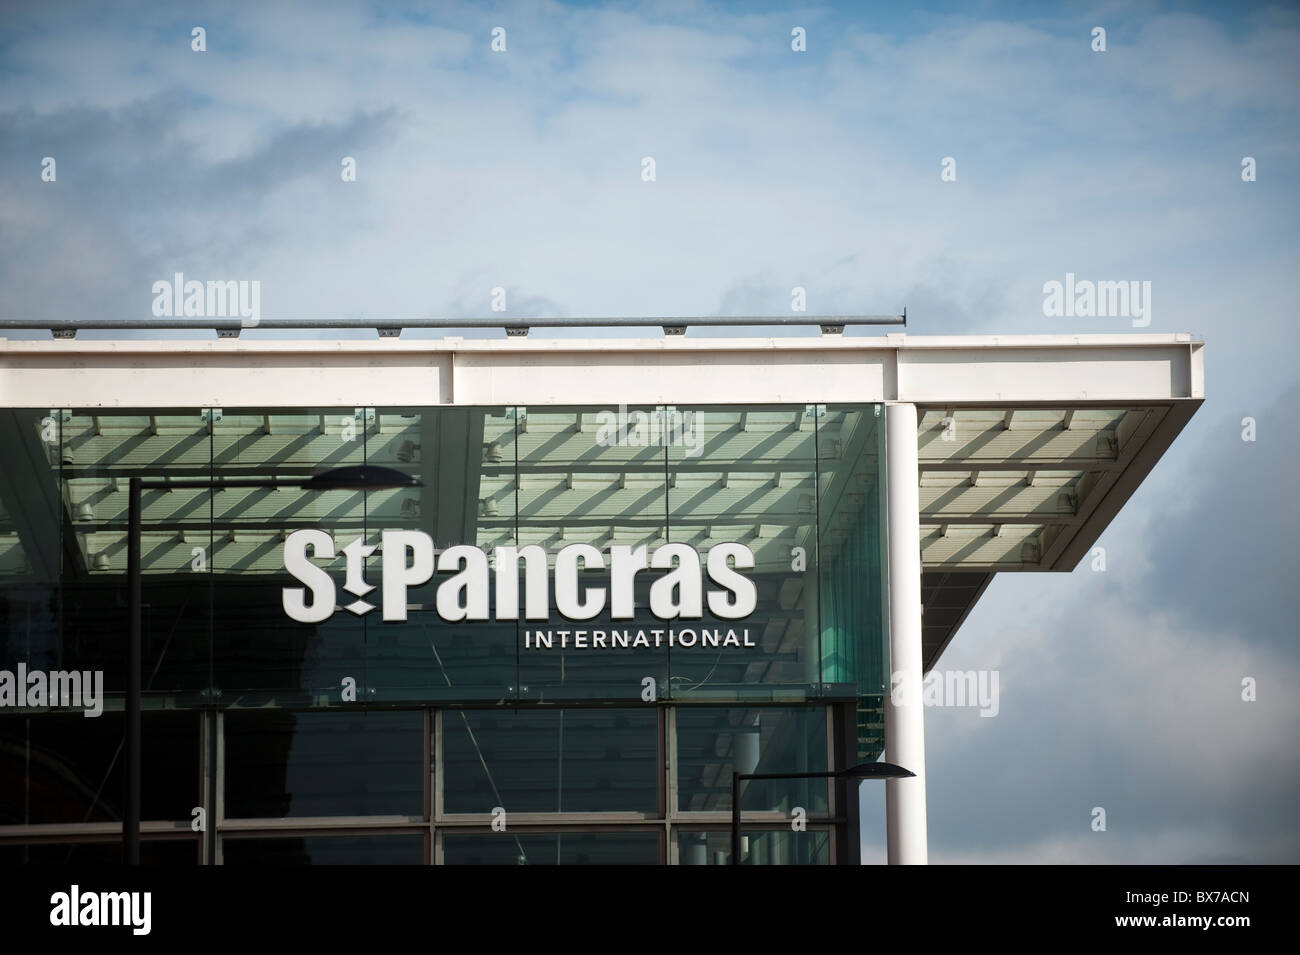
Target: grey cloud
<point x="1120" y="710"/>
<point x="1223" y="550"/>
<point x="133" y="202"/>
<point x="300" y="151"/>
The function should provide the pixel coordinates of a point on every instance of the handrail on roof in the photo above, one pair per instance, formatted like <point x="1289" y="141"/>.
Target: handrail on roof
<point x="392" y="328"/>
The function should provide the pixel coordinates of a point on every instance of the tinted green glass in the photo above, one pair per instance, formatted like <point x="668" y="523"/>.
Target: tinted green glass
<point x="560" y="848"/>
<point x="571" y="760"/>
<point x="465" y="457"/>
<point x="712" y="743"/>
<point x="261" y="655"/>
<point x="68" y="768"/>
<point x="854" y="619"/>
<point x="325" y="850"/>
<point x="31" y="528"/>
<point x="282" y="763"/>
<point x="163" y="852"/>
<point x="849" y="443"/>
<point x="100" y="452"/>
<point x="758" y="847"/>
<point x="749" y="475"/>
<point x="592" y="476"/>
<point x="798" y="485"/>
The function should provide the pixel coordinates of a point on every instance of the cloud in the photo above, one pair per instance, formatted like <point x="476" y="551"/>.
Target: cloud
<point x="1222" y="552"/>
<point x="524" y="167"/>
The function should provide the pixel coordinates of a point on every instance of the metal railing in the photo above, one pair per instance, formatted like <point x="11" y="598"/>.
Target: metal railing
<point x="392" y="328"/>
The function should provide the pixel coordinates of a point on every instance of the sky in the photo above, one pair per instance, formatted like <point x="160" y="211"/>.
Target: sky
<point x="774" y="168"/>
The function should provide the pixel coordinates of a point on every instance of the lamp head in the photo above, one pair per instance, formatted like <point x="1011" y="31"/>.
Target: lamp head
<point x="360" y="477"/>
<point x="875" y="771"/>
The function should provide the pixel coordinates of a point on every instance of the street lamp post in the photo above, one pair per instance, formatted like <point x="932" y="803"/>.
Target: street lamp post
<point x="363" y="477"/>
<point x="861" y="771"/>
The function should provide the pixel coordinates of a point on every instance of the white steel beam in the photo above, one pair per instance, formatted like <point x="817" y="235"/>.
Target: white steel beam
<point x="269" y="373"/>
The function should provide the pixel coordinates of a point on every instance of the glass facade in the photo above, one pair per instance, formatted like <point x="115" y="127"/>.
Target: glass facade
<point x="557" y="650"/>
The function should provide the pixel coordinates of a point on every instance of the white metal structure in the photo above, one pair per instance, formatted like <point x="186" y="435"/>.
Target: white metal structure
<point x="1004" y="453"/>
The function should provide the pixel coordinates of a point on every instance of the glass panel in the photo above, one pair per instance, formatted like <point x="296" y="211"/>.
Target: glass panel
<point x="101" y="451"/>
<point x="216" y="627"/>
<point x="851" y="548"/>
<point x="152" y="852"/>
<point x="551" y="761"/>
<point x="465" y="456"/>
<point x="30" y="536"/>
<point x="262" y="655"/>
<point x="281" y="763"/>
<point x="558" y="848"/>
<point x="592" y="476"/>
<point x="855" y="629"/>
<point x="325" y="850"/>
<point x="68" y="768"/>
<point x="170" y="761"/>
<point x="712" y="742"/>
<point x="748" y="475"/>
<point x="757" y="847"/>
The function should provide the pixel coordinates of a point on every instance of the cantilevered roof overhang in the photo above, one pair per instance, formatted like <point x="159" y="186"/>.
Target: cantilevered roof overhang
<point x="1028" y="445"/>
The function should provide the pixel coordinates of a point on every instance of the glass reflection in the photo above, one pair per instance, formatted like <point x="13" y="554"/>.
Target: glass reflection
<point x="748" y="475"/>
<point x="713" y="742"/>
<point x="559" y="848"/>
<point x="325" y="850"/>
<point x="281" y="763"/>
<point x="551" y="761"/>
<point x="592" y="476"/>
<point x="757" y="847"/>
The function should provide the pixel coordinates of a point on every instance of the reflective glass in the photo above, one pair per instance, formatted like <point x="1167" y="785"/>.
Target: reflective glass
<point x="757" y="847"/>
<point x="100" y="452"/>
<point x="559" y="848"/>
<point x="798" y="485"/>
<point x="748" y="475"/>
<point x="714" y="742"/>
<point x="593" y="476"/>
<point x="574" y="760"/>
<point x="466" y="458"/>
<point x="282" y="763"/>
<point x="261" y="655"/>
<point x="851" y="548"/>
<point x="163" y="852"/>
<point x="68" y="768"/>
<point x="31" y="530"/>
<point x="325" y="850"/>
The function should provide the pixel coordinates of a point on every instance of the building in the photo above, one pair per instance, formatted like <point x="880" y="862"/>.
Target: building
<point x="726" y="553"/>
